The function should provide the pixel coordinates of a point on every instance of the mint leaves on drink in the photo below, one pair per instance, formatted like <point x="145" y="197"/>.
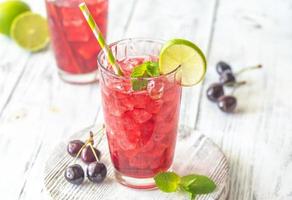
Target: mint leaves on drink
<point x="145" y="70"/>
<point x="192" y="184"/>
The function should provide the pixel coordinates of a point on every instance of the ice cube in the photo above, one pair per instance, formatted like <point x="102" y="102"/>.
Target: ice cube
<point x="133" y="136"/>
<point x="141" y="99"/>
<point x="115" y="108"/>
<point x="121" y="86"/>
<point x="71" y="17"/>
<point x="128" y="102"/>
<point x="74" y="25"/>
<point x="125" y="145"/>
<point x="154" y="106"/>
<point x="73" y="22"/>
<point x="117" y="103"/>
<point x="99" y="8"/>
<point x="129" y="63"/>
<point x="67" y="3"/>
<point x="128" y="123"/>
<point x="146" y="132"/>
<point x="119" y="94"/>
<point x="78" y="34"/>
<point x="88" y="50"/>
<point x="140" y="115"/>
<point x="155" y="88"/>
<point x="114" y="124"/>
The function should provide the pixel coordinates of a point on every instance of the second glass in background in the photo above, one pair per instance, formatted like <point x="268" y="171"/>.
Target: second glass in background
<point x="74" y="44"/>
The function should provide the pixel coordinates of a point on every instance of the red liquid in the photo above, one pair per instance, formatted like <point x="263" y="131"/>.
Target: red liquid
<point x="141" y="126"/>
<point x="74" y="44"/>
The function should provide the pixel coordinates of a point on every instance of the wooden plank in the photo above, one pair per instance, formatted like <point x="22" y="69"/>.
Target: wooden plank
<point x="11" y="72"/>
<point x="13" y="61"/>
<point x="257" y="139"/>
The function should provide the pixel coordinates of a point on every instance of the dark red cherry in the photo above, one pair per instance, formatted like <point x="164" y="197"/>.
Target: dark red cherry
<point x="87" y="155"/>
<point x="215" y="91"/>
<point x="222" y="67"/>
<point x="74" y="174"/>
<point x="227" y="103"/>
<point x="227" y="78"/>
<point x="74" y="147"/>
<point x="96" y="172"/>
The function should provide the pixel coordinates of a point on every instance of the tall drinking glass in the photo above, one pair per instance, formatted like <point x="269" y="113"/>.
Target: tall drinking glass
<point x="141" y="125"/>
<point x="74" y="44"/>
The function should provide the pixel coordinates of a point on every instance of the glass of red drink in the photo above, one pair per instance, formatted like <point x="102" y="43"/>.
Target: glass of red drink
<point x="73" y="42"/>
<point x="141" y="125"/>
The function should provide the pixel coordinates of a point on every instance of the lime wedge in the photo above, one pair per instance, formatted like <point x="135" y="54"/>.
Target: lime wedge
<point x="30" y="31"/>
<point x="185" y="57"/>
<point x="8" y="11"/>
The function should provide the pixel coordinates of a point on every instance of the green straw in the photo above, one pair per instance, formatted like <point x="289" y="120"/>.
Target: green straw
<point x="97" y="33"/>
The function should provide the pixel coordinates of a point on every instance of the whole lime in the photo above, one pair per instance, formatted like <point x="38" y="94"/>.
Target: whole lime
<point x="8" y="11"/>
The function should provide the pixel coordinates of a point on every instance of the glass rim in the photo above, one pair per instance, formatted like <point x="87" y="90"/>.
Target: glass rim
<point x="111" y="73"/>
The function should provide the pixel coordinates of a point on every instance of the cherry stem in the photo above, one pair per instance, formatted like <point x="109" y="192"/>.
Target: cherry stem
<point x="248" y="68"/>
<point x="92" y="149"/>
<point x="79" y="152"/>
<point x="90" y="142"/>
<point x="237" y="85"/>
<point x="99" y="131"/>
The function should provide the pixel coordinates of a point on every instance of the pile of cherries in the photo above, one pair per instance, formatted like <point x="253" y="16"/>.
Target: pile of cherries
<point x="95" y="171"/>
<point x="215" y="92"/>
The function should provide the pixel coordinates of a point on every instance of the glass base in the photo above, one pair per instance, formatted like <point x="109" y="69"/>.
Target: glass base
<point x="78" y="78"/>
<point x="136" y="183"/>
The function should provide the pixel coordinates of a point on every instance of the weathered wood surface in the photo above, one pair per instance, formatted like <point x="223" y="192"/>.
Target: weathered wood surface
<point x="204" y="158"/>
<point x="38" y="110"/>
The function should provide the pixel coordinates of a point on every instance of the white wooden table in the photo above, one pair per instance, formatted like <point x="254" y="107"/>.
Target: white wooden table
<point x="37" y="109"/>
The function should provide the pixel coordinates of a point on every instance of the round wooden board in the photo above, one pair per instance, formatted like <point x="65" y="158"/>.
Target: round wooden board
<point x="194" y="153"/>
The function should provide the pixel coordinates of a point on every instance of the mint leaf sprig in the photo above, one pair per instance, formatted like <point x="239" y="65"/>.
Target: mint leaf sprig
<point x="145" y="70"/>
<point x="192" y="184"/>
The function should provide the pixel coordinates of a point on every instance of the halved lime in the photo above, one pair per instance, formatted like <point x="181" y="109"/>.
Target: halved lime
<point x="187" y="58"/>
<point x="30" y="31"/>
<point x="8" y="11"/>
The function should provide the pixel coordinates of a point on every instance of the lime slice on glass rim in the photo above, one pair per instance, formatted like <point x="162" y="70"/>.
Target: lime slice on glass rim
<point x="185" y="57"/>
<point x="30" y="31"/>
